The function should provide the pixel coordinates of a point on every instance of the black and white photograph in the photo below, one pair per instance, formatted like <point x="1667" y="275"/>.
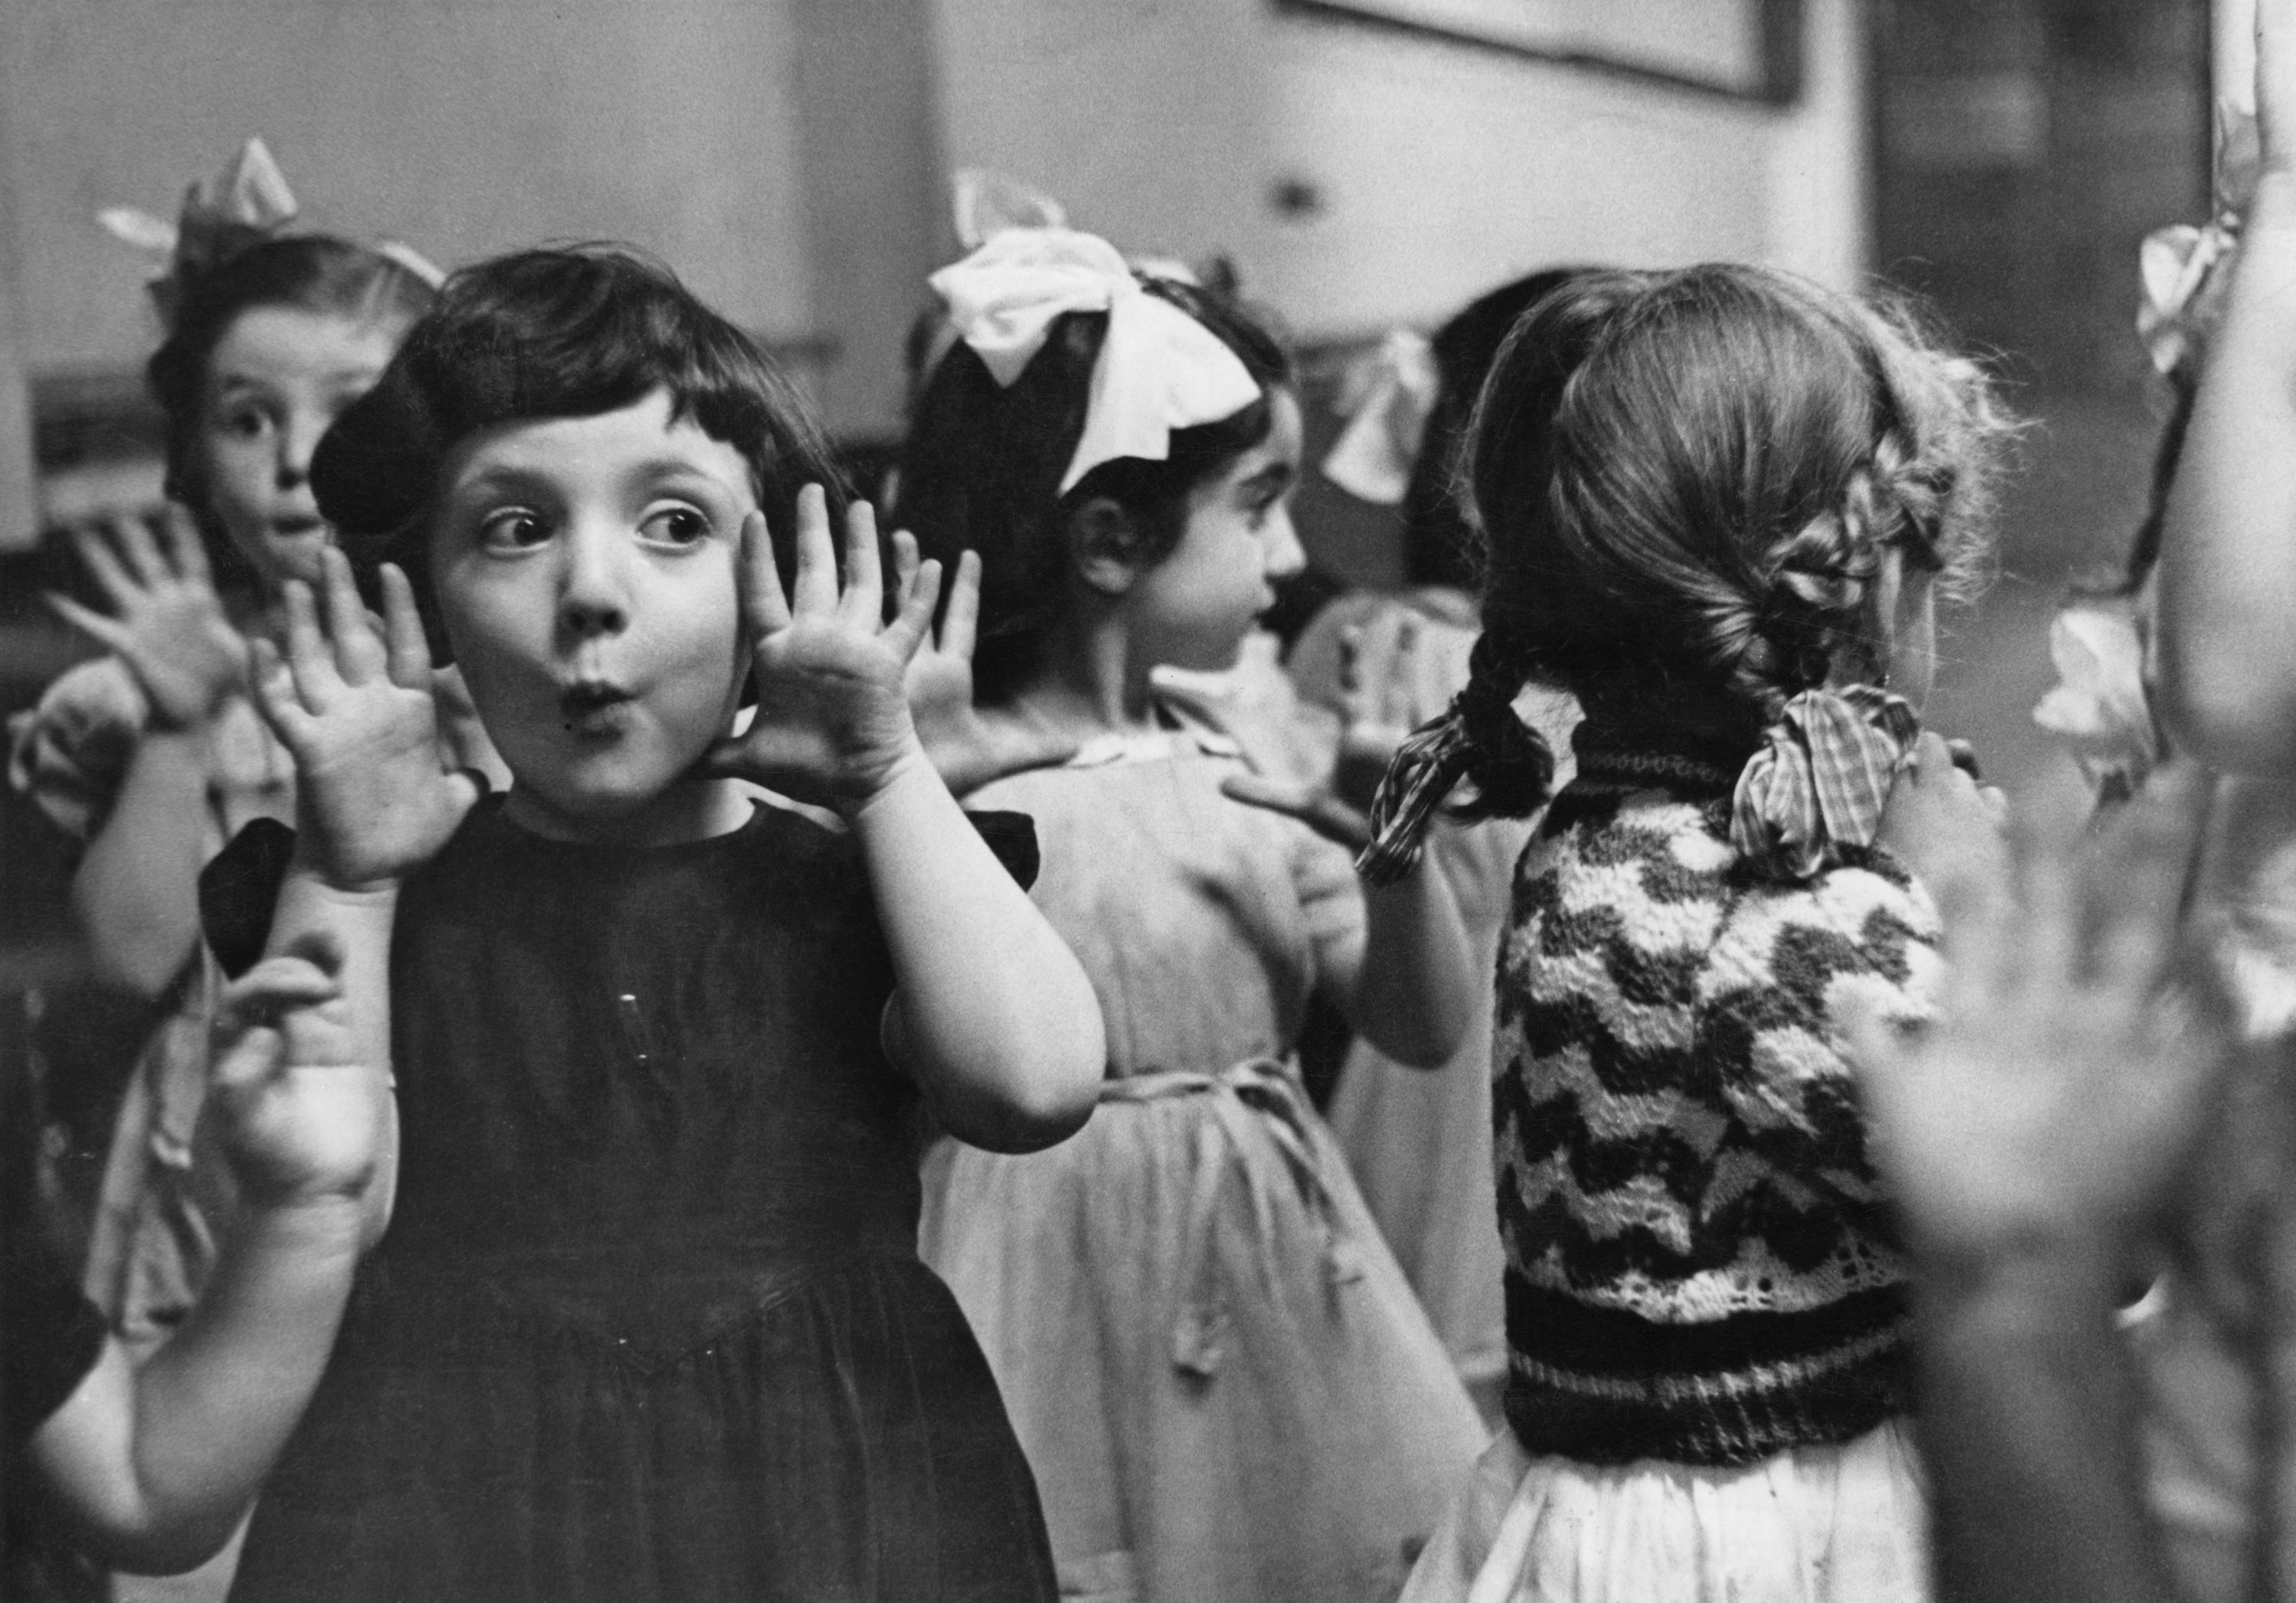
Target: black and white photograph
<point x="1148" y="801"/>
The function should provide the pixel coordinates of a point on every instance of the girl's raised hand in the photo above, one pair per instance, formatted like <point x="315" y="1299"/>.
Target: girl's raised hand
<point x="167" y="623"/>
<point x="833" y="722"/>
<point x="373" y="801"/>
<point x="298" y="1116"/>
<point x="1949" y="829"/>
<point x="968" y="749"/>
<point x="1385" y="694"/>
<point x="2058" y="1104"/>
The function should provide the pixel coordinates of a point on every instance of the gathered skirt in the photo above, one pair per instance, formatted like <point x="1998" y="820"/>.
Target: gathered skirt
<point x="1841" y="1523"/>
<point x="1226" y="1388"/>
<point x="842" y="1442"/>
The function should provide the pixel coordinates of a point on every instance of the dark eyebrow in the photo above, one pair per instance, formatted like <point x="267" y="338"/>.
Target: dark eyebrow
<point x="1275" y="476"/>
<point x="669" y="467"/>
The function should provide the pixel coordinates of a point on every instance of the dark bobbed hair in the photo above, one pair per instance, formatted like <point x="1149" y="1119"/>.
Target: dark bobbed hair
<point x="310" y="272"/>
<point x="1438" y="542"/>
<point x="981" y="469"/>
<point x="1683" y="484"/>
<point x="563" y="333"/>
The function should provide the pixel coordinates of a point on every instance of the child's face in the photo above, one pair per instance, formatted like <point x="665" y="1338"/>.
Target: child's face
<point x="275" y="380"/>
<point x="585" y="569"/>
<point x="1194" y="609"/>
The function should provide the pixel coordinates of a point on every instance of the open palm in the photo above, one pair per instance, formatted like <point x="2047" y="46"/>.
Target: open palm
<point x="832" y="721"/>
<point x="2082" y="1047"/>
<point x="167" y="623"/>
<point x="355" y="708"/>
<point x="1385" y="694"/>
<point x="299" y="1113"/>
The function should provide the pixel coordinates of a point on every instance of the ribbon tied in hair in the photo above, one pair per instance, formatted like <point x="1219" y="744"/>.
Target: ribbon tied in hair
<point x="1387" y="395"/>
<point x="1821" y="779"/>
<point x="1158" y="369"/>
<point x="1430" y="763"/>
<point x="245" y="205"/>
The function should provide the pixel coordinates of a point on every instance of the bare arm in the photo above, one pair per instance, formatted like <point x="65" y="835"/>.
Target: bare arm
<point x="995" y="1015"/>
<point x="2228" y="556"/>
<point x="136" y="890"/>
<point x="1413" y="993"/>
<point x="157" y="1465"/>
<point x="2028" y="1413"/>
<point x="2030" y="1140"/>
<point x="992" y="1012"/>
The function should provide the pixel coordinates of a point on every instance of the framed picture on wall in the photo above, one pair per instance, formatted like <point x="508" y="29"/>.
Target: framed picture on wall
<point x="1744" y="49"/>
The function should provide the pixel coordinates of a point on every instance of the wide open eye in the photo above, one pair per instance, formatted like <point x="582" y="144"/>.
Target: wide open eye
<point x="676" y="525"/>
<point x="513" y="529"/>
<point x="242" y="421"/>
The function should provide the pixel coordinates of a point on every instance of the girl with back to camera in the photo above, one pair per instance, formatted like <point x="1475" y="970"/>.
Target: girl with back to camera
<point x="1717" y="506"/>
<point x="152" y="756"/>
<point x="1220" y="1375"/>
<point x="648" y="1321"/>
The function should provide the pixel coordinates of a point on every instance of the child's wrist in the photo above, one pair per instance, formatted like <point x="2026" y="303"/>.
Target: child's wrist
<point x="380" y="894"/>
<point x="327" y="1222"/>
<point x="909" y="767"/>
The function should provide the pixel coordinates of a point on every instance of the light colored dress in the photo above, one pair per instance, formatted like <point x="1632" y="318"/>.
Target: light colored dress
<point x="1225" y="1383"/>
<point x="1419" y="1143"/>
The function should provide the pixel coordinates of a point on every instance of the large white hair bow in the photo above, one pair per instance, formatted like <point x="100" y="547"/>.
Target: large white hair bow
<point x="1158" y="369"/>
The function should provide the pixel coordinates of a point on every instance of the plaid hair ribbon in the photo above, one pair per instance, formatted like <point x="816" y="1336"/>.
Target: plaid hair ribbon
<point x="1821" y="779"/>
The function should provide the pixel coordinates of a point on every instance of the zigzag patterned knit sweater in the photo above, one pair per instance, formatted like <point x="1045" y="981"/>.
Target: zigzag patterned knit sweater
<point x="1699" y="1267"/>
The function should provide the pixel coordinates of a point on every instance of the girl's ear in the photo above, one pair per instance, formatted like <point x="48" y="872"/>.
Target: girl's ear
<point x="1105" y="544"/>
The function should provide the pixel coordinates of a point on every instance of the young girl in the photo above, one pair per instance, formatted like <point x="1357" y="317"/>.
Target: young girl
<point x="152" y="756"/>
<point x="648" y="1321"/>
<point x="1218" y="1372"/>
<point x="1716" y="504"/>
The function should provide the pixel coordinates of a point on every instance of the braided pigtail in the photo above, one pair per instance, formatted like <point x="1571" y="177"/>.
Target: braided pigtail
<point x="1479" y="738"/>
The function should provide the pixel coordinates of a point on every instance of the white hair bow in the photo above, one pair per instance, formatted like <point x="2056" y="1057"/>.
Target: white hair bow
<point x="244" y="205"/>
<point x="2183" y="267"/>
<point x="1386" y="394"/>
<point x="1158" y="369"/>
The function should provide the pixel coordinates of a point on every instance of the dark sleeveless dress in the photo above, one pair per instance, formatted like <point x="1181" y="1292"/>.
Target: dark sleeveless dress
<point x="649" y="1323"/>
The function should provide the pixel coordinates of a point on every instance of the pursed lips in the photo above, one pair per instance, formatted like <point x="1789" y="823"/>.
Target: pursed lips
<point x="595" y="708"/>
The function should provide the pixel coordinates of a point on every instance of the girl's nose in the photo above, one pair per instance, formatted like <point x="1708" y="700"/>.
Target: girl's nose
<point x="297" y="440"/>
<point x="1285" y="555"/>
<point x="594" y="597"/>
